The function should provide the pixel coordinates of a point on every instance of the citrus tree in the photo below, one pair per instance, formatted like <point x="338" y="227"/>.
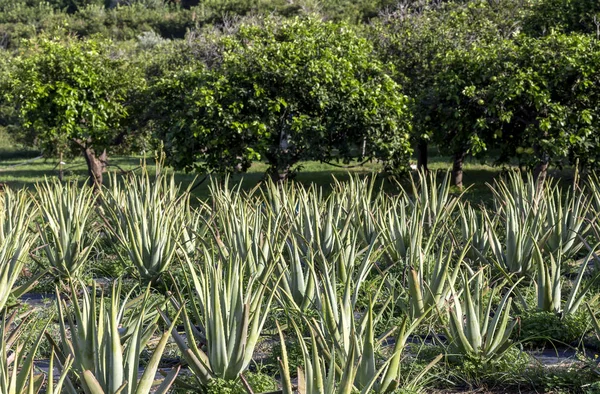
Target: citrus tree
<point x="282" y="92"/>
<point x="437" y="50"/>
<point x="545" y="100"/>
<point x="483" y="87"/>
<point x="72" y="98"/>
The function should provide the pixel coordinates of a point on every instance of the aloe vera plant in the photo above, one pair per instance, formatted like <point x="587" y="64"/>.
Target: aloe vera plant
<point x="566" y="221"/>
<point x="298" y="278"/>
<point x="56" y="386"/>
<point x="145" y="217"/>
<point x="326" y="370"/>
<point x="67" y="236"/>
<point x="106" y="346"/>
<point x="521" y="235"/>
<point x="16" y="361"/>
<point x="432" y="199"/>
<point x="521" y="207"/>
<point x="549" y="284"/>
<point x="359" y="202"/>
<point x="402" y="233"/>
<point x="228" y="309"/>
<point x="475" y="328"/>
<point x="476" y="230"/>
<point x="16" y="213"/>
<point x="430" y="283"/>
<point x="349" y="341"/>
<point x="595" y="322"/>
<point x="522" y="193"/>
<point x="316" y="222"/>
<point x="241" y="229"/>
<point x="281" y="198"/>
<point x="593" y="185"/>
<point x="194" y="229"/>
<point x="337" y="312"/>
<point x="322" y="373"/>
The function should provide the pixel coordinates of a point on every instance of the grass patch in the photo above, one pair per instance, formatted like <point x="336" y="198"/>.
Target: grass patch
<point x="23" y="167"/>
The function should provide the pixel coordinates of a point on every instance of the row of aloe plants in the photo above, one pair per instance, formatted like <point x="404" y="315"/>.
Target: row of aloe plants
<point x="241" y="256"/>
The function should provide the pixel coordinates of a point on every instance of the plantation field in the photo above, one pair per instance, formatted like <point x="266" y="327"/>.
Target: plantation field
<point x="284" y="288"/>
<point x="222" y="196"/>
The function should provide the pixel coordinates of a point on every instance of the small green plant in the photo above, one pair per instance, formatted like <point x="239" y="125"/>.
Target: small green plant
<point x="260" y="382"/>
<point x="222" y="386"/>
<point x="476" y="229"/>
<point x="549" y="284"/>
<point x="228" y="312"/>
<point x="520" y="206"/>
<point x="540" y="328"/>
<point x="16" y="361"/>
<point x="430" y="283"/>
<point x="16" y="213"/>
<point x="565" y="220"/>
<point x="504" y="371"/>
<point x="432" y="199"/>
<point x="145" y="216"/>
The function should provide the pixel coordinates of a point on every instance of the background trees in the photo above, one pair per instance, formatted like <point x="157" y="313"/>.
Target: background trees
<point x="502" y="81"/>
<point x="485" y="84"/>
<point x="439" y="50"/>
<point x="544" y="100"/>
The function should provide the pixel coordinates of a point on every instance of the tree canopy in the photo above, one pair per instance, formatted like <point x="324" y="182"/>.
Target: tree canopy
<point x="222" y="85"/>
<point x="283" y="92"/>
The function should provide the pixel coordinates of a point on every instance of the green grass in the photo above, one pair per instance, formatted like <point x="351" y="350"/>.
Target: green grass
<point x="21" y="167"/>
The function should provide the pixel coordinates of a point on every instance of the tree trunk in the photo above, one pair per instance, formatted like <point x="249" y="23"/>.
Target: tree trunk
<point x="279" y="173"/>
<point x="457" y="169"/>
<point x="95" y="168"/>
<point x="60" y="168"/>
<point x="540" y="172"/>
<point x="103" y="160"/>
<point x="281" y="158"/>
<point x="422" y="156"/>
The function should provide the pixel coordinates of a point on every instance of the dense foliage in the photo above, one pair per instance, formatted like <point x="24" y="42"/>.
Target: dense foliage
<point x="234" y="82"/>
<point x="71" y="97"/>
<point x="362" y="290"/>
<point x="282" y="92"/>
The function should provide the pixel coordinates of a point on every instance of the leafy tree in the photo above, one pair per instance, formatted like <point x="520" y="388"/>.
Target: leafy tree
<point x="545" y="100"/>
<point x="71" y="98"/>
<point x="437" y="51"/>
<point x="299" y="89"/>
<point x="535" y="99"/>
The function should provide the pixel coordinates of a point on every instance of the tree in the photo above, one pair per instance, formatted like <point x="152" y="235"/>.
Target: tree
<point x="535" y="99"/>
<point x="282" y="91"/>
<point x="71" y="97"/>
<point x="545" y="100"/>
<point x="437" y="52"/>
